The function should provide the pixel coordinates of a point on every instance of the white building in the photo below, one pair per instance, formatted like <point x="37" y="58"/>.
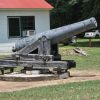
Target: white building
<point x="18" y="17"/>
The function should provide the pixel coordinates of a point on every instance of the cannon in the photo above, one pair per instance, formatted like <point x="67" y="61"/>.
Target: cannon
<point x="40" y="51"/>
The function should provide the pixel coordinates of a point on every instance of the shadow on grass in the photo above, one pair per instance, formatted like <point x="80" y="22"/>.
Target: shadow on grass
<point x="86" y="44"/>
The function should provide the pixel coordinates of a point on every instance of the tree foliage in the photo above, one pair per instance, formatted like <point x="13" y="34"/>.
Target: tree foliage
<point x="91" y="8"/>
<point x="69" y="11"/>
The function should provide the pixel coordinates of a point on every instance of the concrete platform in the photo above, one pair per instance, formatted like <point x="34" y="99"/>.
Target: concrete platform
<point x="26" y="78"/>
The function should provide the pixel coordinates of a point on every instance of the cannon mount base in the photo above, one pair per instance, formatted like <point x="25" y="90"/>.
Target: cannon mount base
<point x="46" y="61"/>
<point x="32" y="76"/>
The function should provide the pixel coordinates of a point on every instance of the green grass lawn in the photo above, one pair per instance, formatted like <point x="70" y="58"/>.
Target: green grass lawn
<point x="90" y="62"/>
<point x="72" y="91"/>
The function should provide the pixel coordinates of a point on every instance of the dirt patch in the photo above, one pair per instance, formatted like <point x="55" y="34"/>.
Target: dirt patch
<point x="76" y="76"/>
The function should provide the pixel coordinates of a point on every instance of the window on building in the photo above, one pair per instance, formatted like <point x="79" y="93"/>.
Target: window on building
<point x="16" y="25"/>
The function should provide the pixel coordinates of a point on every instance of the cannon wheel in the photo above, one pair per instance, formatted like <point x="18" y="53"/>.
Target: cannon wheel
<point x="61" y="73"/>
<point x="64" y="75"/>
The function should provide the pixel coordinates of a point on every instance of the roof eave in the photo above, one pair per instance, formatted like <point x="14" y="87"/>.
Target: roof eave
<point x="26" y="8"/>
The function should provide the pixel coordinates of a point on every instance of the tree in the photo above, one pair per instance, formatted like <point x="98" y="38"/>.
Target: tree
<point x="91" y="8"/>
<point x="70" y="11"/>
<point x="62" y="13"/>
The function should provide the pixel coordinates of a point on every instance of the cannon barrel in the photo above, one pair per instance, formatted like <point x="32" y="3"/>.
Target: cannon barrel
<point x="59" y="34"/>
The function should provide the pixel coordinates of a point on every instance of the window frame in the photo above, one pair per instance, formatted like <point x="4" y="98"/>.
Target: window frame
<point x="20" y="26"/>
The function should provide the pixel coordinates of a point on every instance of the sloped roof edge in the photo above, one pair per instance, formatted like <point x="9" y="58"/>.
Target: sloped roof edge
<point x="24" y="4"/>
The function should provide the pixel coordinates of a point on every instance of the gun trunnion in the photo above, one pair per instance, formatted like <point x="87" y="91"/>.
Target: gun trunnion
<point x="40" y="51"/>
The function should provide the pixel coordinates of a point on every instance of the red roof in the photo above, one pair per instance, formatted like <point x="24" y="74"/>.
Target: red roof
<point x="36" y="4"/>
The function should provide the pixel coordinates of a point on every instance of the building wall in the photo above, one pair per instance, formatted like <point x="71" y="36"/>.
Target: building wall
<point x="42" y="22"/>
